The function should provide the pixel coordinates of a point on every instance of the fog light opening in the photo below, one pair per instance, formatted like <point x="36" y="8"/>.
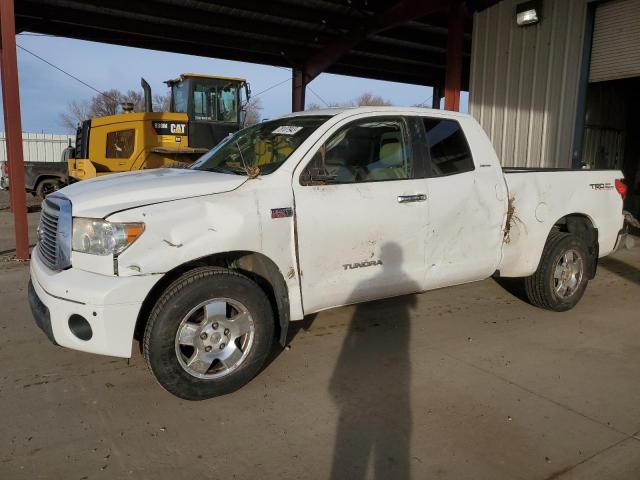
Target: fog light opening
<point x="80" y="327"/>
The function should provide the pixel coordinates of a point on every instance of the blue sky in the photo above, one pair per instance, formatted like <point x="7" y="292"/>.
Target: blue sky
<point x="45" y="92"/>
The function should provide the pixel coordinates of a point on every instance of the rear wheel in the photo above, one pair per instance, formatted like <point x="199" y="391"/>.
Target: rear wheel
<point x="562" y="277"/>
<point x="208" y="334"/>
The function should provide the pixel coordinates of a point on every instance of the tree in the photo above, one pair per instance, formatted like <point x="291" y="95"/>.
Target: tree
<point x="77" y="112"/>
<point x="106" y="104"/>
<point x="371" y="100"/>
<point x="364" y="99"/>
<point x="161" y="102"/>
<point x="109" y="103"/>
<point x="252" y="112"/>
<point x="135" y="98"/>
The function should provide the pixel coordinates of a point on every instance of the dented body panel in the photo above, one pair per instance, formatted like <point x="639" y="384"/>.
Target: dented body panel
<point x="541" y="199"/>
<point x="332" y="244"/>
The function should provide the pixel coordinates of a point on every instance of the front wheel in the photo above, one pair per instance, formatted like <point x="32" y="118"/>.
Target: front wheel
<point x="208" y="334"/>
<point x="562" y="274"/>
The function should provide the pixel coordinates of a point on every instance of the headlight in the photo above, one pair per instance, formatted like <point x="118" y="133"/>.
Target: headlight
<point x="99" y="237"/>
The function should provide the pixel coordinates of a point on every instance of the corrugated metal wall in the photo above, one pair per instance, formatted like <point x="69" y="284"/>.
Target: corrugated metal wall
<point x="616" y="37"/>
<point x="39" y="147"/>
<point x="524" y="81"/>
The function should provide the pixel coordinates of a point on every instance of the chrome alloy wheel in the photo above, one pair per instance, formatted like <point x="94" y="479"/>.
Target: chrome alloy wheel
<point x="567" y="273"/>
<point x="214" y="338"/>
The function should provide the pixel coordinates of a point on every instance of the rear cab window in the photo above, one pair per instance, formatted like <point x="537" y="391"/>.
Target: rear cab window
<point x="447" y="149"/>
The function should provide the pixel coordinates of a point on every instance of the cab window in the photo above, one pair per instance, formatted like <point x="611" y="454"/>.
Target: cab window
<point x="371" y="150"/>
<point x="204" y="102"/>
<point x="180" y="93"/>
<point x="448" y="148"/>
<point x="228" y="104"/>
<point x="120" y="144"/>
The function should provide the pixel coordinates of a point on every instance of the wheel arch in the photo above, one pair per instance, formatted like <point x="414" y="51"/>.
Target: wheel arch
<point x="582" y="226"/>
<point x="47" y="176"/>
<point x="260" y="268"/>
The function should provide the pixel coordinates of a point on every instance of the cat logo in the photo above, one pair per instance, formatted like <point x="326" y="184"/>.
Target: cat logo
<point x="170" y="128"/>
<point x="351" y="266"/>
<point x="178" y="128"/>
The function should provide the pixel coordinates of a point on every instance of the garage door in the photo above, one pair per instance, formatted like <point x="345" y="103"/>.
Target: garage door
<point x="616" y="41"/>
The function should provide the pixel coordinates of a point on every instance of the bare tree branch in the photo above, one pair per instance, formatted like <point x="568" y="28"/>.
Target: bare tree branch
<point x="252" y="112"/>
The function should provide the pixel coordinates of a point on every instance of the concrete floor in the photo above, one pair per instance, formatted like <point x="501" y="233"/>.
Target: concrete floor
<point x="461" y="383"/>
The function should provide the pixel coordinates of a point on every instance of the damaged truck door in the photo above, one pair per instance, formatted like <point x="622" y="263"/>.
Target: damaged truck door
<point x="362" y="212"/>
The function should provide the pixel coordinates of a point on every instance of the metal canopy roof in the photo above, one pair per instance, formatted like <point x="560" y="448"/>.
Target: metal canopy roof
<point x="284" y="33"/>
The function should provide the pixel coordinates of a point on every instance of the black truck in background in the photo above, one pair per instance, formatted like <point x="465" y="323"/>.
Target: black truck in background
<point x="41" y="178"/>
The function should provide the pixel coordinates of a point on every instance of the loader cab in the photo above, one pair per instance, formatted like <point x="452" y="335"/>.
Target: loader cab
<point x="214" y="106"/>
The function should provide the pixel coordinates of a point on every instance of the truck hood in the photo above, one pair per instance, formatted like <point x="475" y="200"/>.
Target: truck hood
<point x="101" y="196"/>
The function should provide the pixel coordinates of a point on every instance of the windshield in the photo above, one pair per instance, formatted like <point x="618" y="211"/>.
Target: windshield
<point x="261" y="148"/>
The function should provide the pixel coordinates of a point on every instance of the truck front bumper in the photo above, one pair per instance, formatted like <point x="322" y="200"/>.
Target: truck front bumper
<point x="87" y="311"/>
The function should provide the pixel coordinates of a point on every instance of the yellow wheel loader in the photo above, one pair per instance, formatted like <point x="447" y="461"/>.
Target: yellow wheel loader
<point x="204" y="110"/>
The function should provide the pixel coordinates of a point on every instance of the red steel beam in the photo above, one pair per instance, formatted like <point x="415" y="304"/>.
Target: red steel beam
<point x="400" y="12"/>
<point x="455" y="44"/>
<point x="298" y="90"/>
<point x="13" y="126"/>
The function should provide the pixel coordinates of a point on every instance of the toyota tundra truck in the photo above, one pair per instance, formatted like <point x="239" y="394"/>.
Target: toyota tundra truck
<point x="207" y="266"/>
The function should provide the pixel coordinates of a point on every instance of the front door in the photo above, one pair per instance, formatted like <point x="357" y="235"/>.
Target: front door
<point x="361" y="214"/>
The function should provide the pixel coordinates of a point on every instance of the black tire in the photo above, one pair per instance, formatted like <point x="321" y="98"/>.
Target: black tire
<point x="540" y="287"/>
<point x="192" y="289"/>
<point x="47" y="186"/>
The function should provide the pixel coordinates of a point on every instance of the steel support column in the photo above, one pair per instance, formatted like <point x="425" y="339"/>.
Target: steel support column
<point x="435" y="98"/>
<point x="455" y="44"/>
<point x="298" y="90"/>
<point x="13" y="126"/>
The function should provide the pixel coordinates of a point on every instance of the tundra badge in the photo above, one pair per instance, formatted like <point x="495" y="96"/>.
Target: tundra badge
<point x="351" y="266"/>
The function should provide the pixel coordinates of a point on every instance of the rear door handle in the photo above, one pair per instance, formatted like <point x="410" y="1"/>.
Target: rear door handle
<point x="419" y="197"/>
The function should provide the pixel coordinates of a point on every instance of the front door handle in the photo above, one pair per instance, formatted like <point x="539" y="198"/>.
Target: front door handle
<point x="419" y="197"/>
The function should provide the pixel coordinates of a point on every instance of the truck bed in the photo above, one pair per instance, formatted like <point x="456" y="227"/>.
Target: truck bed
<point x="539" y="197"/>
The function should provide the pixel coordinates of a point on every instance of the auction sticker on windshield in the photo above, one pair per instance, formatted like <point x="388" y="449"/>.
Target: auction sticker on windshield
<point x="286" y="130"/>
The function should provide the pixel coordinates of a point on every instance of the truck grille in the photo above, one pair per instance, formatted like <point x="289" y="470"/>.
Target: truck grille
<point x="54" y="232"/>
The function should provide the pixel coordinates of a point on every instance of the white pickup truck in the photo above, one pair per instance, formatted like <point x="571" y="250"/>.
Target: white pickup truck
<point x="207" y="266"/>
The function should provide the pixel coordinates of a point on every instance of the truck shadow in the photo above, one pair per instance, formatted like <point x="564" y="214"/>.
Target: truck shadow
<point x="621" y="269"/>
<point x="293" y="330"/>
<point x="371" y="386"/>
<point x="515" y="286"/>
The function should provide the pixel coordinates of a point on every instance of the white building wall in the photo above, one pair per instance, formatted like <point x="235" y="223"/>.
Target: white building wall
<point x="524" y="81"/>
<point x="39" y="147"/>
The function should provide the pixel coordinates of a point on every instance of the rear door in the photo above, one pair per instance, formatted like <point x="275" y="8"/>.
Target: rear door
<point x="466" y="206"/>
<point x="361" y="214"/>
